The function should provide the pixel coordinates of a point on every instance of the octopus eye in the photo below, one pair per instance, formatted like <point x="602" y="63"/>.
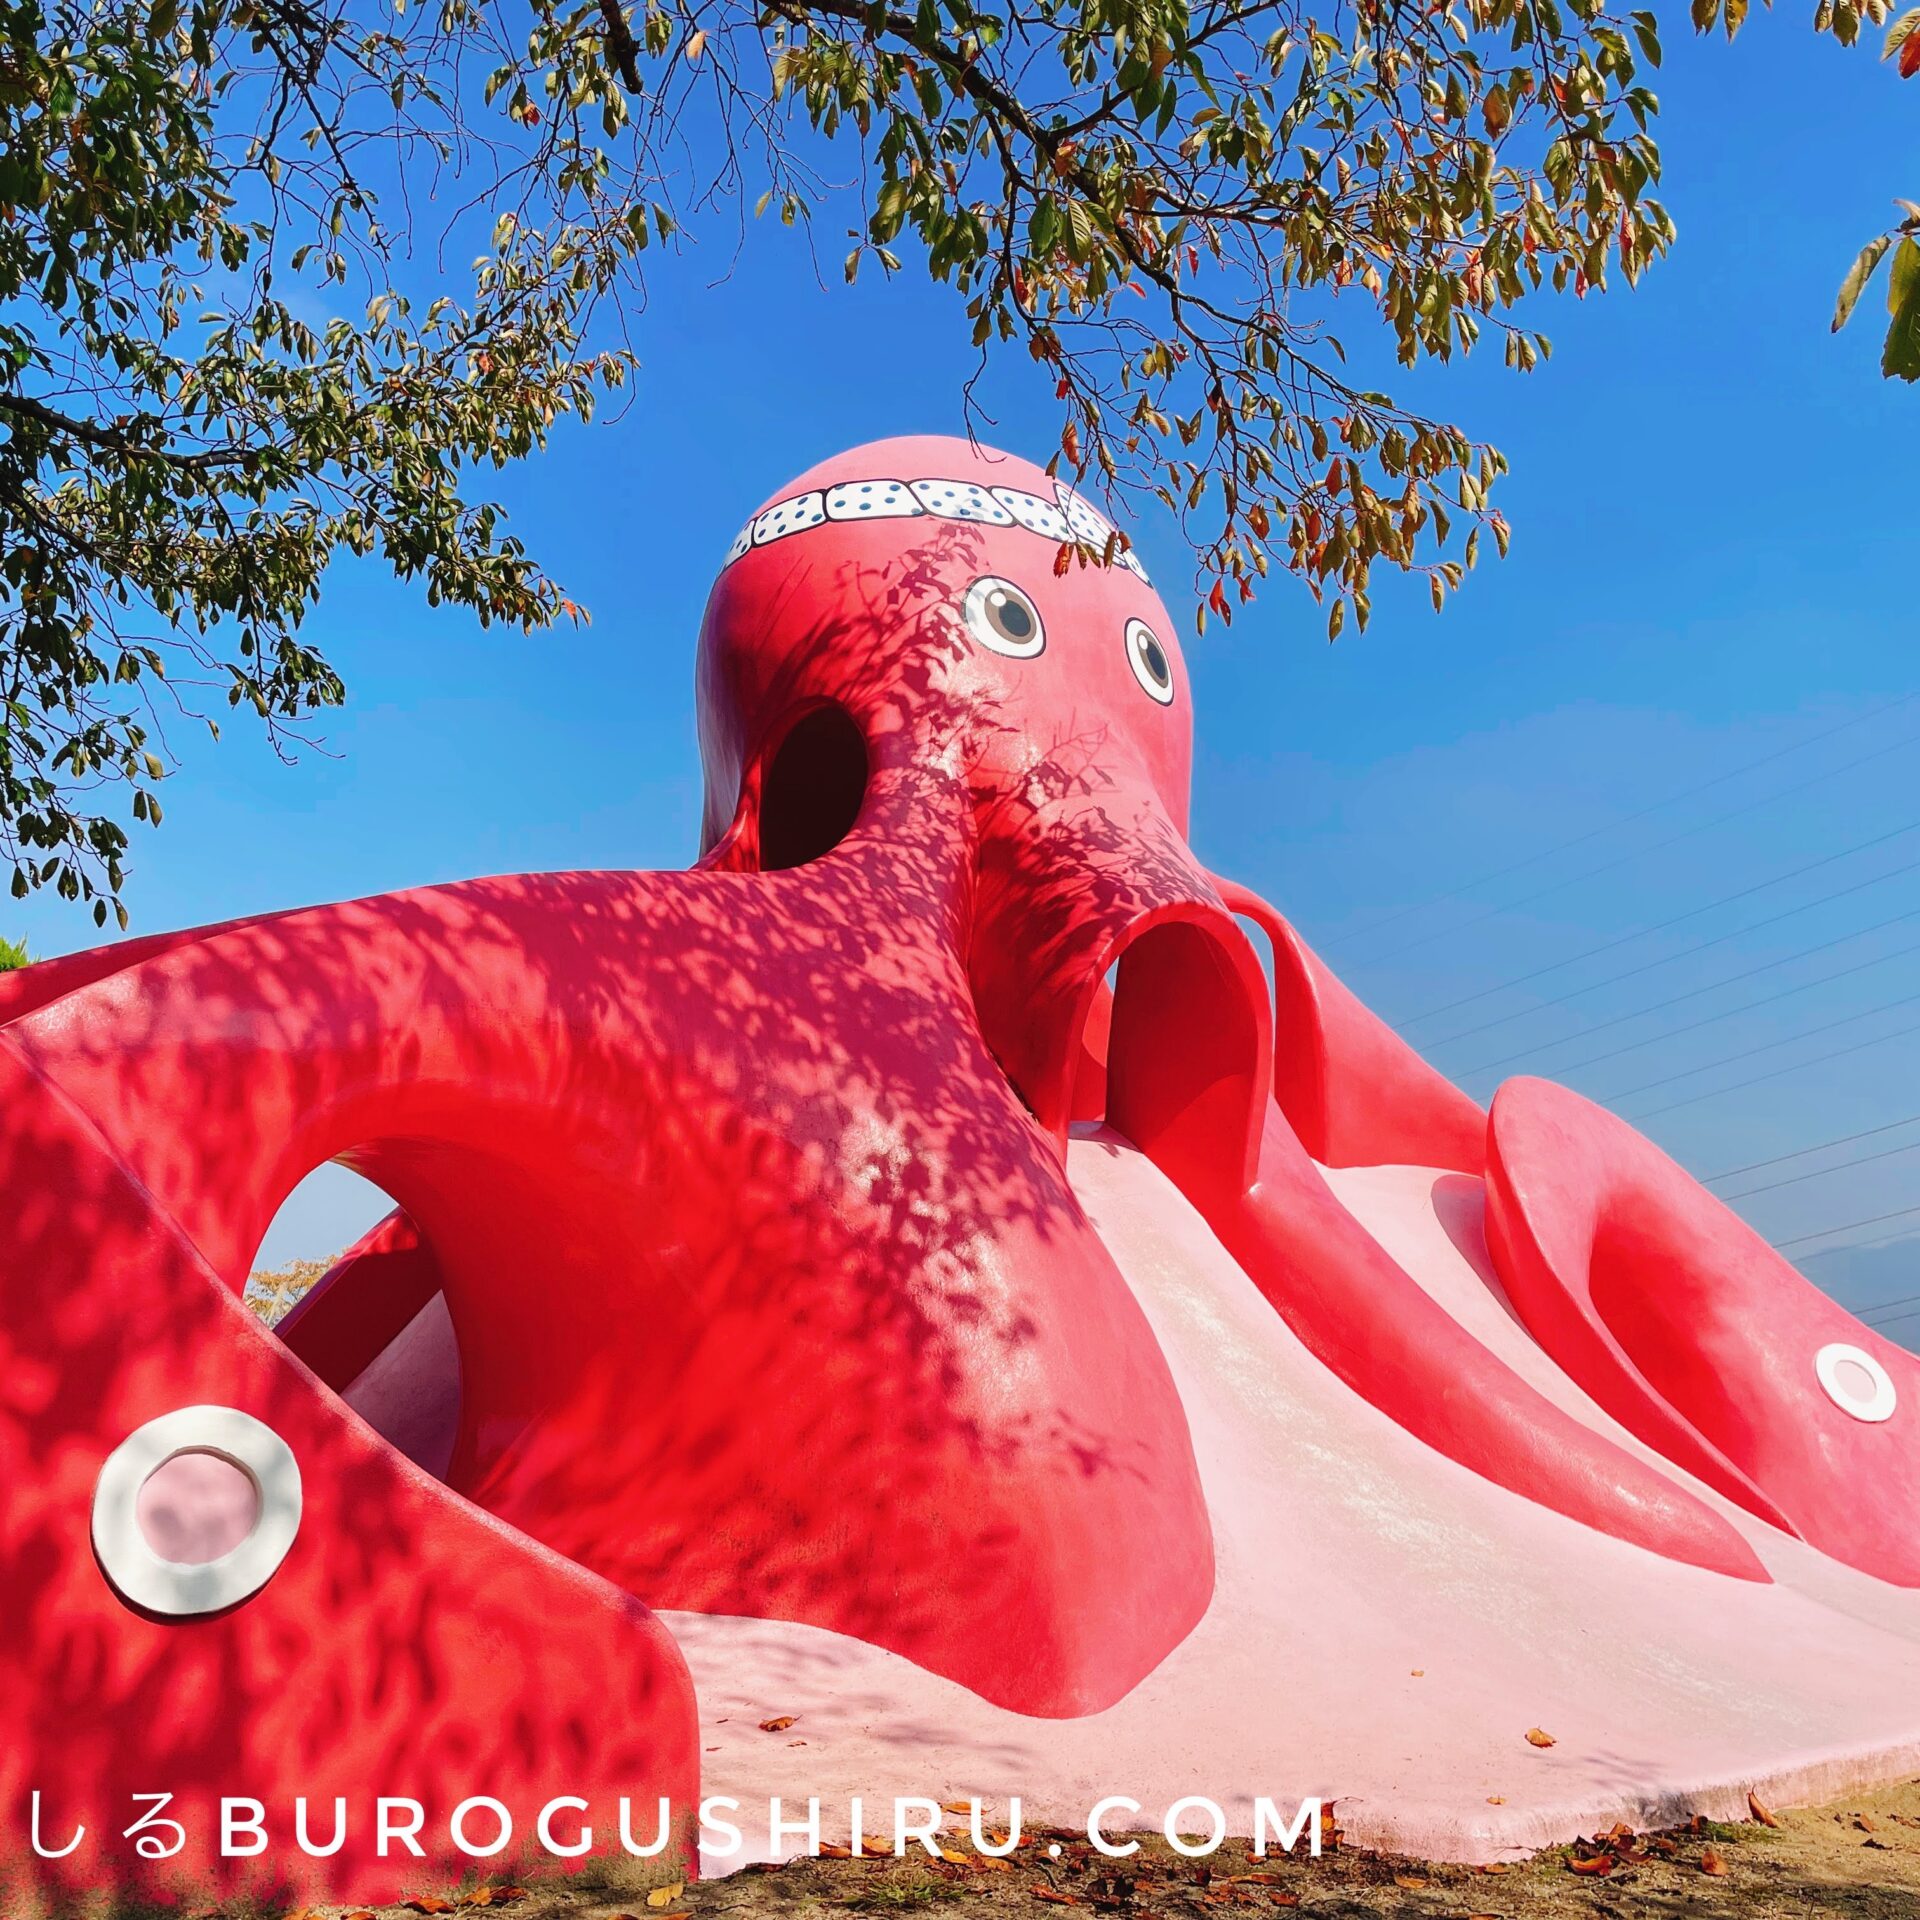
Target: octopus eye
<point x="1148" y="659"/>
<point x="1003" y="619"/>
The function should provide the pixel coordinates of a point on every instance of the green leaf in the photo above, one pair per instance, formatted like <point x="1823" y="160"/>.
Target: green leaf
<point x="1901" y="358"/>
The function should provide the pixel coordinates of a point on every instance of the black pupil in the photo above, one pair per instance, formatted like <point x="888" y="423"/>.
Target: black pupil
<point x="1011" y="617"/>
<point x="1155" y="659"/>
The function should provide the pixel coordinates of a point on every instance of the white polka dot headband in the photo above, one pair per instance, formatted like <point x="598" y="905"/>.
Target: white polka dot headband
<point x="1066" y="517"/>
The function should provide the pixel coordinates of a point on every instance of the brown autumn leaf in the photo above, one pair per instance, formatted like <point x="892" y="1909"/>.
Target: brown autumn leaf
<point x="953" y="1857"/>
<point x="1595" y="1867"/>
<point x="361" y="1914"/>
<point x="1536" y="1737"/>
<point x="1284" y="1899"/>
<point x="1410" y="1882"/>
<point x="1760" y="1811"/>
<point x="832" y="1850"/>
<point x="660" y="1897"/>
<point x="1712" y="1860"/>
<point x="429" y="1903"/>
<point x="1496" y="1799"/>
<point x="962" y="1807"/>
<point x="779" y="1724"/>
<point x="1497" y="1866"/>
<point x="1054" y="1899"/>
<point x="992" y="1863"/>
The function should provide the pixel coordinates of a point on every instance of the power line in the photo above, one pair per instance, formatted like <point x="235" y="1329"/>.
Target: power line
<point x="1839" y="1166"/>
<point x="1868" y="1314"/>
<point x="1819" y="1146"/>
<point x="1766" y="1046"/>
<point x="1660" y="926"/>
<point x="1902" y="1213"/>
<point x="1739" y="1086"/>
<point x="1627" y="820"/>
<point x="1699" y="946"/>
<point x="1708" y="1020"/>
<point x="1640" y="853"/>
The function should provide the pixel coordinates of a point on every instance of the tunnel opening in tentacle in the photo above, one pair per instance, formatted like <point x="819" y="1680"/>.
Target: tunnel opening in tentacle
<point x="351" y="1286"/>
<point x="1184" y="1070"/>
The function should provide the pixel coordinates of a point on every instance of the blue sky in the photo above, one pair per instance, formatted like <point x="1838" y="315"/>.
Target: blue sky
<point x="1714" y="562"/>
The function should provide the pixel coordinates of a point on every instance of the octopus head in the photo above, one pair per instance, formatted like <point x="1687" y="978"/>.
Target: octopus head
<point x="933" y="602"/>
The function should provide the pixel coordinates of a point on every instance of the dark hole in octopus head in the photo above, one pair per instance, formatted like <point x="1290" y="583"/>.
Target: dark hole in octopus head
<point x="813" y="789"/>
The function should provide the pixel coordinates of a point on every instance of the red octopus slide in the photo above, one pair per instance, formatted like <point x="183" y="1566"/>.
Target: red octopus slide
<point x="750" y="1196"/>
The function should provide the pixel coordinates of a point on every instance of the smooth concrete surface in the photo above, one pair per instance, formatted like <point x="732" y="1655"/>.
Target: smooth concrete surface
<point x="1386" y="1626"/>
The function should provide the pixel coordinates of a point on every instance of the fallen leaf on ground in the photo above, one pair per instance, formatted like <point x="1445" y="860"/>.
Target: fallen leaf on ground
<point x="1496" y="1799"/>
<point x="1713" y="1861"/>
<point x="429" y="1903"/>
<point x="666" y="1896"/>
<point x="1409" y="1882"/>
<point x="1056" y="1899"/>
<point x="1760" y="1812"/>
<point x="832" y="1850"/>
<point x="779" y="1724"/>
<point x="1497" y="1866"/>
<point x="1595" y="1868"/>
<point x="956" y="1806"/>
<point x="1537" y="1738"/>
